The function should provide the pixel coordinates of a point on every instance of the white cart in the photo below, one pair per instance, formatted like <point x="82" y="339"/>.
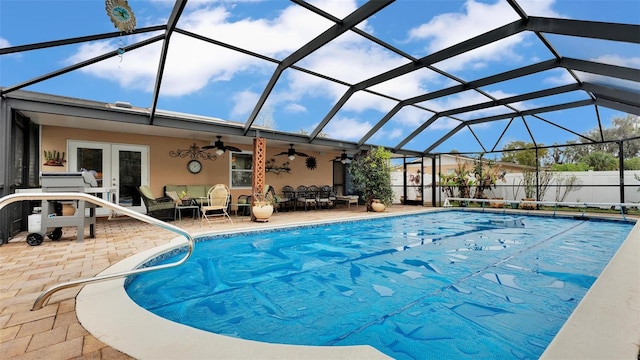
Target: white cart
<point x="52" y="220"/>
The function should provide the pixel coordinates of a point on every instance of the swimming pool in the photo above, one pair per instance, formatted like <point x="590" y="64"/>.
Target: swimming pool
<point x="446" y="284"/>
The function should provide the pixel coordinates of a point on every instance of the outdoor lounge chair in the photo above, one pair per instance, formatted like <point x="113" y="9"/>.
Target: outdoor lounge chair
<point x="162" y="208"/>
<point x="216" y="203"/>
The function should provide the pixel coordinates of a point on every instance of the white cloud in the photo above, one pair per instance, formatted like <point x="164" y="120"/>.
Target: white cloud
<point x="192" y="64"/>
<point x="347" y="128"/>
<point x="4" y="43"/>
<point x="560" y="76"/>
<point x="613" y="59"/>
<point x="295" y="108"/>
<point x="477" y="18"/>
<point x="244" y="103"/>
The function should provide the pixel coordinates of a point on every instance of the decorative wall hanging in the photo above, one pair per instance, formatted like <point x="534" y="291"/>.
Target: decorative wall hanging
<point x="312" y="163"/>
<point x="193" y="152"/>
<point x="121" y="15"/>
<point x="54" y="158"/>
<point x="270" y="166"/>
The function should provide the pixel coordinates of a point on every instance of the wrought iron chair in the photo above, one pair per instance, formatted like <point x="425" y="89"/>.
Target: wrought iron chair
<point x="162" y="208"/>
<point x="288" y="197"/>
<point x="306" y="197"/>
<point x="326" y="192"/>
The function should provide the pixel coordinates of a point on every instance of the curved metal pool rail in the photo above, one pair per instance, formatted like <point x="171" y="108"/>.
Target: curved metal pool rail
<point x="44" y="296"/>
<point x="579" y="205"/>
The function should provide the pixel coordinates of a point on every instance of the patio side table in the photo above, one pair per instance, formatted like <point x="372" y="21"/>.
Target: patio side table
<point x="179" y="208"/>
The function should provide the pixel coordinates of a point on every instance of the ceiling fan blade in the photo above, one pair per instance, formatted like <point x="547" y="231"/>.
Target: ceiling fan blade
<point x="301" y="154"/>
<point x="233" y="148"/>
<point x="282" y="153"/>
<point x="207" y="147"/>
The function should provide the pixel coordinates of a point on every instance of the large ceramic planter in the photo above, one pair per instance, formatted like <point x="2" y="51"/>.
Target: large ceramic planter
<point x="378" y="206"/>
<point x="498" y="203"/>
<point x="262" y="212"/>
<point x="527" y="205"/>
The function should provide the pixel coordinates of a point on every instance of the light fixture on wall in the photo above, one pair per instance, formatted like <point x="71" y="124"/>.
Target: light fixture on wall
<point x="193" y="152"/>
<point x="291" y="153"/>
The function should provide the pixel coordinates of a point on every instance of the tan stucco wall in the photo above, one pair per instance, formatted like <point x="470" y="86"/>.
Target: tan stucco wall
<point x="165" y="169"/>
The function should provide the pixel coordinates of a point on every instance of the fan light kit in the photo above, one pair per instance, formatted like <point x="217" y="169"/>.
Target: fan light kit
<point x="220" y="147"/>
<point x="291" y="153"/>
<point x="343" y="158"/>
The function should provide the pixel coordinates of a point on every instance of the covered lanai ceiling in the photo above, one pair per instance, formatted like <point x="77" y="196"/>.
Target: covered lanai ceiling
<point x="418" y="77"/>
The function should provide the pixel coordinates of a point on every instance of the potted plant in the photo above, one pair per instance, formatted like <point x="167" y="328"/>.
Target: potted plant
<point x="263" y="206"/>
<point x="515" y="189"/>
<point x="487" y="173"/>
<point x="529" y="183"/>
<point x="185" y="198"/>
<point x="371" y="175"/>
<point x="461" y="180"/>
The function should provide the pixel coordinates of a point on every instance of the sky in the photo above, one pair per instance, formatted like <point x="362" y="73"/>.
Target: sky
<point x="204" y="79"/>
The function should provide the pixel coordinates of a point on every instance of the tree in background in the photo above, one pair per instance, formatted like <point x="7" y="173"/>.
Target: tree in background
<point x="626" y="127"/>
<point x="526" y="157"/>
<point x="632" y="164"/>
<point x="600" y="161"/>
<point x="585" y="155"/>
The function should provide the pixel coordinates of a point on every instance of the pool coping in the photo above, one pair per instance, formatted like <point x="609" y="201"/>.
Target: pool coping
<point x="605" y="324"/>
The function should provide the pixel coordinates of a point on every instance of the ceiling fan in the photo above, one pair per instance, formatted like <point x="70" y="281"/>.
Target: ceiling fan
<point x="291" y="153"/>
<point x="221" y="148"/>
<point x="343" y="158"/>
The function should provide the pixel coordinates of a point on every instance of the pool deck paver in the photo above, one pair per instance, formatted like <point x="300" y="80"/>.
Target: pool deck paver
<point x="54" y="332"/>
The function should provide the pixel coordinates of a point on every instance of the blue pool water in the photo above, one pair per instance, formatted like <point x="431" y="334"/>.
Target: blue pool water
<point x="448" y="284"/>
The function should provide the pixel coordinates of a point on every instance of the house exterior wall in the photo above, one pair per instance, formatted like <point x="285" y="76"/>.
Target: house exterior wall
<point x="164" y="169"/>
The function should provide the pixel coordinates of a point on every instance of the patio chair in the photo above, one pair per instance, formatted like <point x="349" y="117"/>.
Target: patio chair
<point x="306" y="197"/>
<point x="162" y="208"/>
<point x="244" y="205"/>
<point x="216" y="203"/>
<point x="327" y="196"/>
<point x="288" y="197"/>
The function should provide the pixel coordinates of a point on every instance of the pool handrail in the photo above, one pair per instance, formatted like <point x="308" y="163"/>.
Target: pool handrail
<point x="555" y="204"/>
<point x="46" y="294"/>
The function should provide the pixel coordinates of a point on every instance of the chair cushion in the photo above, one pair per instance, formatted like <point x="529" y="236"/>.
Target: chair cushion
<point x="146" y="192"/>
<point x="174" y="196"/>
<point x="161" y="206"/>
<point x="177" y="188"/>
<point x="197" y="191"/>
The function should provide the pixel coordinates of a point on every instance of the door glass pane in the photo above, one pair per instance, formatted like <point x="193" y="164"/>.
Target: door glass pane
<point x="130" y="165"/>
<point x="90" y="160"/>
<point x="18" y="156"/>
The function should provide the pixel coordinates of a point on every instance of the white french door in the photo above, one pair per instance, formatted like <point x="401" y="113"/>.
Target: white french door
<point x="118" y="166"/>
